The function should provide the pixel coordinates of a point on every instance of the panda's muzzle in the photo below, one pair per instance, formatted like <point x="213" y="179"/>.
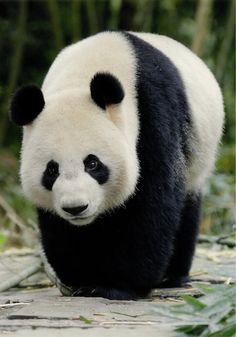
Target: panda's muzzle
<point x="75" y="211"/>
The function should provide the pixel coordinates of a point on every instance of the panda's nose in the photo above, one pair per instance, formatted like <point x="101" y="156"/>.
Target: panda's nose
<point x="75" y="210"/>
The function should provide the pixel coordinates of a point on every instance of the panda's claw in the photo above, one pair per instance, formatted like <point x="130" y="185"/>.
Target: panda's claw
<point x="110" y="293"/>
<point x="175" y="282"/>
<point x="83" y="291"/>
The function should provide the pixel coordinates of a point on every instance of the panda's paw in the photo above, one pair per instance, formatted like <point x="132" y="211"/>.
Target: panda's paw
<point x="175" y="282"/>
<point x="110" y="293"/>
<point x="114" y="293"/>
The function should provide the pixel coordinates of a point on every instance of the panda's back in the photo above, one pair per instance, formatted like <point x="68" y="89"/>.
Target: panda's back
<point x="205" y="104"/>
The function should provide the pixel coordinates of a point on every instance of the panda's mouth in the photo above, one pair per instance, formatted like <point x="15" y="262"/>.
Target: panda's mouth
<point x="80" y="217"/>
<point x="82" y="220"/>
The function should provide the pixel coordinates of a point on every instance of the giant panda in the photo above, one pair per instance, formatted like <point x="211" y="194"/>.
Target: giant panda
<point x="117" y="146"/>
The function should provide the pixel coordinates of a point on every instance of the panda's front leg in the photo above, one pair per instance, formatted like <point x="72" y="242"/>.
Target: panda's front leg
<point x="111" y="293"/>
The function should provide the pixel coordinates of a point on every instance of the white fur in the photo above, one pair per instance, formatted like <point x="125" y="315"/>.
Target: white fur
<point x="71" y="126"/>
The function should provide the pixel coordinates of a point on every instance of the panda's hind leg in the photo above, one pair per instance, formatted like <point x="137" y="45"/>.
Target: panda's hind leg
<point x="178" y="270"/>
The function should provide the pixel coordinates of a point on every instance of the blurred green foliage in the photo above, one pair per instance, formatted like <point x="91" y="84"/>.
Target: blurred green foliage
<point x="32" y="33"/>
<point x="211" y="315"/>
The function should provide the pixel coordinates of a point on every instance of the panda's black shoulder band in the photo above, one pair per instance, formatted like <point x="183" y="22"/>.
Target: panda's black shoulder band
<point x="26" y="104"/>
<point x="106" y="89"/>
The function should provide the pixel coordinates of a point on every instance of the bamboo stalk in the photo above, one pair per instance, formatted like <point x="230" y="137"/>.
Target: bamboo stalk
<point x="76" y="20"/>
<point x="92" y="16"/>
<point x="202" y="25"/>
<point x="143" y="15"/>
<point x="56" y="25"/>
<point x="15" y="66"/>
<point x="226" y="42"/>
<point x="115" y="8"/>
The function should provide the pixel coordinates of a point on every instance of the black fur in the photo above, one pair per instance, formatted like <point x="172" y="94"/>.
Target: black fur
<point x="50" y="174"/>
<point x="106" y="89"/>
<point x="101" y="173"/>
<point x="26" y="104"/>
<point x="179" y="266"/>
<point x="125" y="253"/>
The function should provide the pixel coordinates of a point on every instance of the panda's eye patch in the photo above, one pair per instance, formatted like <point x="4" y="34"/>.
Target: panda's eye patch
<point x="97" y="170"/>
<point x="50" y="174"/>
<point x="52" y="169"/>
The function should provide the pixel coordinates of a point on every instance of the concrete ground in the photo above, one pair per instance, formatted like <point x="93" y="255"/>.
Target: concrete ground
<point x="35" y="308"/>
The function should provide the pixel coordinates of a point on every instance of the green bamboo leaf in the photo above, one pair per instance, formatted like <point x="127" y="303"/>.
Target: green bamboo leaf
<point x="177" y="315"/>
<point x="194" y="302"/>
<point x="85" y="320"/>
<point x="221" y="292"/>
<point x="228" y="331"/>
<point x="218" y="310"/>
<point x="203" y="287"/>
<point x="192" y="329"/>
<point x="231" y="319"/>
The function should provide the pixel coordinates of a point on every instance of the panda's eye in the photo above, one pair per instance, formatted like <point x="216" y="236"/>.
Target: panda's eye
<point x="91" y="165"/>
<point x="52" y="169"/>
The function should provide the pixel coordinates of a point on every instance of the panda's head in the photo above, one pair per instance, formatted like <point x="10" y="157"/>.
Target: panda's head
<point x="75" y="159"/>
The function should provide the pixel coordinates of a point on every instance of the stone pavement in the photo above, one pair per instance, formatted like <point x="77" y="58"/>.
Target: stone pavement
<point x="36" y="308"/>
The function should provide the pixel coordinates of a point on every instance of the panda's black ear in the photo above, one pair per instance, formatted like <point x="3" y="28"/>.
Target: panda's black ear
<point x="26" y="104"/>
<point x="106" y="89"/>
